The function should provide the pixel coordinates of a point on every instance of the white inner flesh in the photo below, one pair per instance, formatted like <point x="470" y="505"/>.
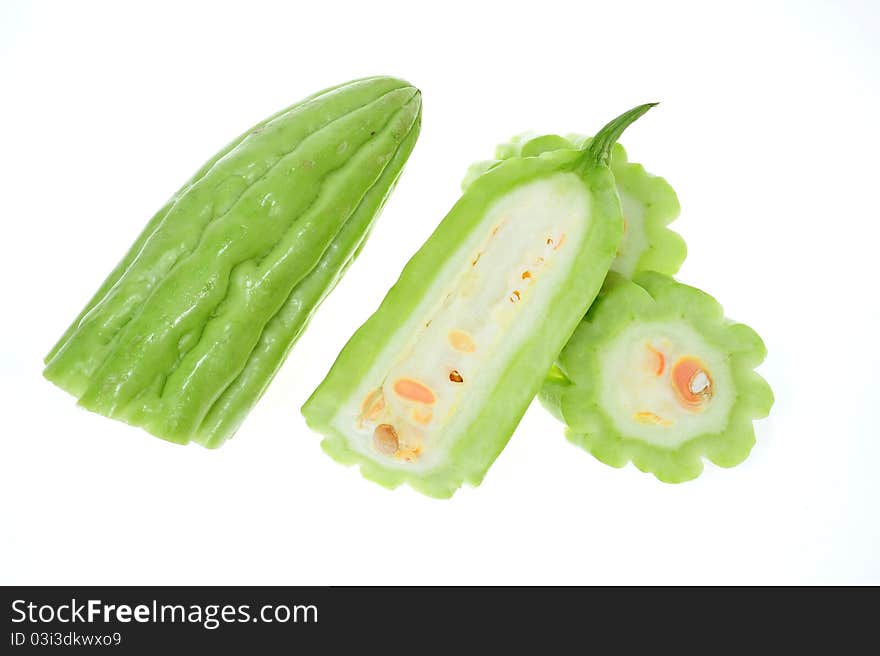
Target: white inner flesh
<point x="494" y="290"/>
<point x="635" y="241"/>
<point x="631" y="386"/>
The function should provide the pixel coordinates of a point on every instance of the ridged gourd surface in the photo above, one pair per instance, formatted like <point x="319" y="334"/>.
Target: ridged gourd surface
<point x="187" y="331"/>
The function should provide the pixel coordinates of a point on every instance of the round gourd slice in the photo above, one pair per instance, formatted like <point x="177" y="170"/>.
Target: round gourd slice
<point x="655" y="375"/>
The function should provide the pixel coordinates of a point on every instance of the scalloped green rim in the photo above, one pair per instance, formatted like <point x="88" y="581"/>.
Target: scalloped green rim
<point x="570" y="393"/>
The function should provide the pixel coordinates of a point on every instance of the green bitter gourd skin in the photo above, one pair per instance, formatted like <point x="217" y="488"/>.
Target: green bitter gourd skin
<point x="649" y="203"/>
<point x="429" y="390"/>
<point x="188" y="330"/>
<point x="656" y="375"/>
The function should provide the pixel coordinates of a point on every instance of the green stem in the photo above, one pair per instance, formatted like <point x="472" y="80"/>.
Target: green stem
<point x="599" y="150"/>
<point x="555" y="374"/>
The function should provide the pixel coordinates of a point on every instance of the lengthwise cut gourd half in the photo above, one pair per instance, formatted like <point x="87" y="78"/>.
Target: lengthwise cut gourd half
<point x="187" y="332"/>
<point x="429" y="390"/>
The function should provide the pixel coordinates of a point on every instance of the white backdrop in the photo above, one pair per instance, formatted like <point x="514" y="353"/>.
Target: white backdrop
<point x="767" y="129"/>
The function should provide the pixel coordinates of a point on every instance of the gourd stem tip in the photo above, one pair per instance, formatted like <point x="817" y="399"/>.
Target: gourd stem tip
<point x="598" y="152"/>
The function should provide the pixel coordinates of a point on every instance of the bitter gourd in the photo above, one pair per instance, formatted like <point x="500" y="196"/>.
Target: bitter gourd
<point x="649" y="203"/>
<point x="656" y="375"/>
<point x="188" y="330"/>
<point x="429" y="390"/>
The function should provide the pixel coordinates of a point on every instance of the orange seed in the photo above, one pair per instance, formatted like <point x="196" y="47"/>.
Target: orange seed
<point x="650" y="418"/>
<point x="373" y="404"/>
<point x="692" y="382"/>
<point x="659" y="360"/>
<point x="461" y="341"/>
<point x="413" y="390"/>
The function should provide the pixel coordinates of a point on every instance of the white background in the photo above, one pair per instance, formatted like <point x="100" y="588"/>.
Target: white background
<point x="768" y="129"/>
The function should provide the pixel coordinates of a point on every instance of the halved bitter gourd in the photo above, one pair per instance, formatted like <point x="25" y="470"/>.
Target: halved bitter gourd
<point x="649" y="203"/>
<point x="187" y="332"/>
<point x="656" y="375"/>
<point x="429" y="390"/>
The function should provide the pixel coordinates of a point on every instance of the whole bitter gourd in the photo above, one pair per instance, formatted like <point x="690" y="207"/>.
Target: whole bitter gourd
<point x="188" y="330"/>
